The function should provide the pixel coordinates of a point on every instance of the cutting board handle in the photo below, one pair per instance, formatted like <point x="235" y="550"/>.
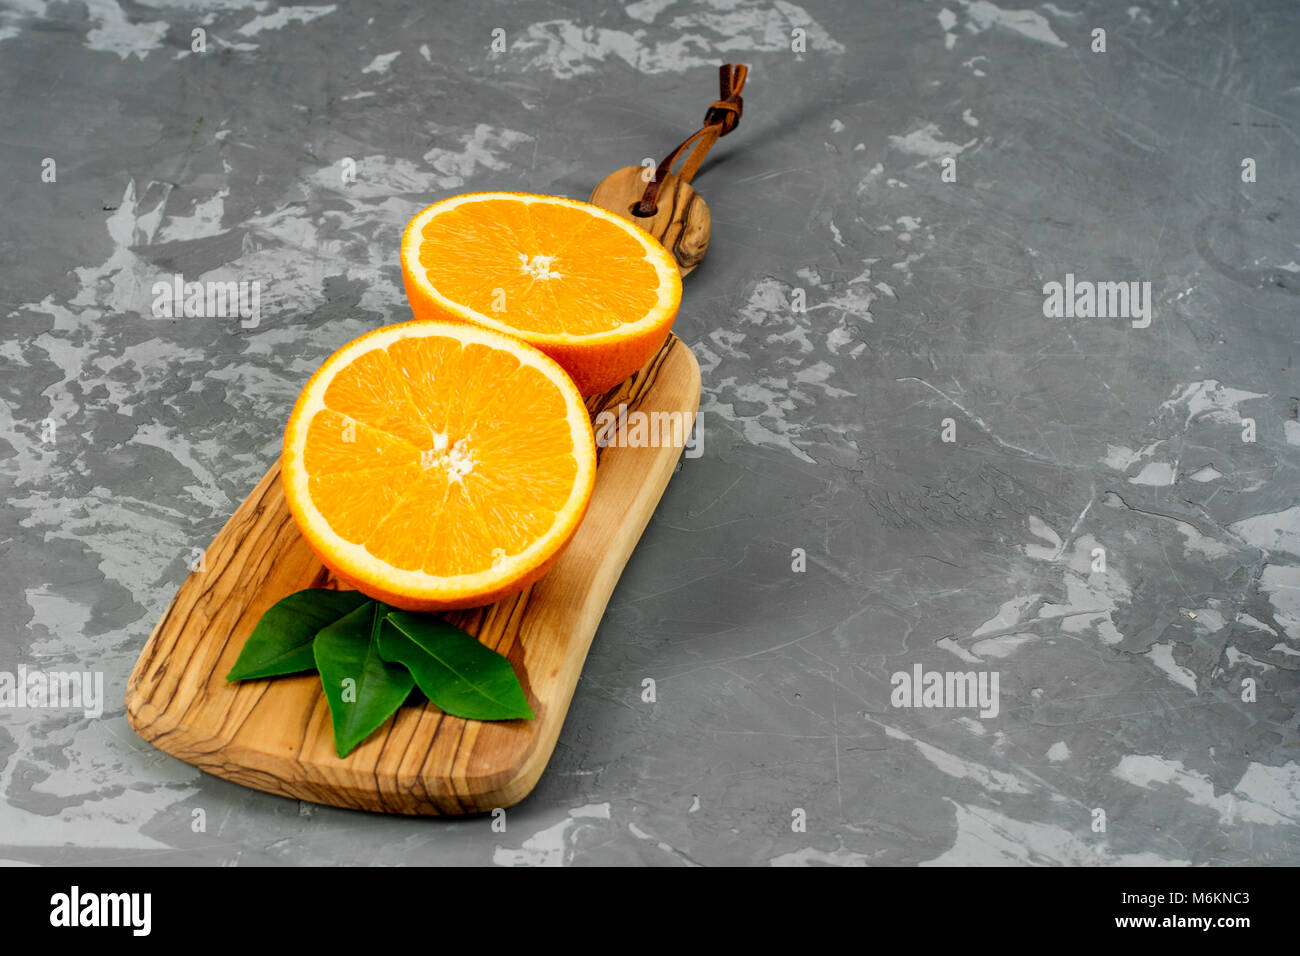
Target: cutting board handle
<point x="722" y="117"/>
<point x="667" y="206"/>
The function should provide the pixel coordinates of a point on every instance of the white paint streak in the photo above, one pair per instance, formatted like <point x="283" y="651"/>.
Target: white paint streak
<point x="1276" y="533"/>
<point x="1211" y="399"/>
<point x="114" y="33"/>
<point x="988" y="838"/>
<point x="1282" y="585"/>
<point x="700" y="36"/>
<point x="1157" y="473"/>
<point x="283" y="17"/>
<point x="552" y="846"/>
<point x="952" y="647"/>
<point x="928" y="142"/>
<point x="1009" y="614"/>
<point x="1034" y="26"/>
<point x="1162" y="655"/>
<point x="1092" y="597"/>
<point x="1236" y="656"/>
<point x="1264" y="795"/>
<point x="647" y="10"/>
<point x="382" y="63"/>
<point x="811" y="856"/>
<point x="1255" y="623"/>
<point x="1005" y="645"/>
<point x="954" y="766"/>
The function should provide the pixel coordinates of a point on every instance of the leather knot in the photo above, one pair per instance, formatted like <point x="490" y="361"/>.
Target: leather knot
<point x="722" y="117"/>
<point x="725" y="113"/>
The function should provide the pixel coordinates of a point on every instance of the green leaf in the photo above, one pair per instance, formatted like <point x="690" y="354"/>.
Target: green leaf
<point x="363" y="690"/>
<point x="454" y="670"/>
<point x="281" y="641"/>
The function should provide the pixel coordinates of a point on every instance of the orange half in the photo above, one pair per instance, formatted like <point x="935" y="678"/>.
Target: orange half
<point x="436" y="465"/>
<point x="592" y="290"/>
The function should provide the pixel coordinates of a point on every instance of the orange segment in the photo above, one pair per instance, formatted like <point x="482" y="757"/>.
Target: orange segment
<point x="354" y="516"/>
<point x="591" y="289"/>
<point x="339" y="443"/>
<point x="373" y="392"/>
<point x="438" y="465"/>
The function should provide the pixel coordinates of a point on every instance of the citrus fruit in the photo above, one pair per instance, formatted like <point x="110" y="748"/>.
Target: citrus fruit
<point x="592" y="290"/>
<point x="438" y="465"/>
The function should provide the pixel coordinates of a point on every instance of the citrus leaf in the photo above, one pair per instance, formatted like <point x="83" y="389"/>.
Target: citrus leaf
<point x="281" y="641"/>
<point x="363" y="690"/>
<point x="455" y="671"/>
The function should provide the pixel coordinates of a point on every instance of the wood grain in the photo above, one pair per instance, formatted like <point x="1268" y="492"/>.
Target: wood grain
<point x="681" y="221"/>
<point x="275" y="735"/>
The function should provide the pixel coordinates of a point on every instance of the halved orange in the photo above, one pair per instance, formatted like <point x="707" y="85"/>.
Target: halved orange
<point x="591" y="289"/>
<point x="437" y="465"/>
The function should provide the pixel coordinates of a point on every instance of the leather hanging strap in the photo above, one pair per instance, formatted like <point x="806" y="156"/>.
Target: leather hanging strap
<point x="721" y="118"/>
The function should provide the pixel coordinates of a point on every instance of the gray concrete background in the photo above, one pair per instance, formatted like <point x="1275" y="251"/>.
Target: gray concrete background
<point x="1120" y="691"/>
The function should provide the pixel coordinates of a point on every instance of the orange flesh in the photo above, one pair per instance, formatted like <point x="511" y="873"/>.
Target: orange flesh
<point x="552" y="269"/>
<point x="387" y="468"/>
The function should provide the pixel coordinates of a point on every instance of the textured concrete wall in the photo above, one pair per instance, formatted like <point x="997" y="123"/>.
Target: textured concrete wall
<point x="1160" y="691"/>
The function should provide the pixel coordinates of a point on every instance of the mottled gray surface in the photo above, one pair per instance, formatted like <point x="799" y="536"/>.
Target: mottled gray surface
<point x="1121" y="691"/>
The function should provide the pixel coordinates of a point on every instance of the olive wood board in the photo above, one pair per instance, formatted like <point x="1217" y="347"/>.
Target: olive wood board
<point x="275" y="735"/>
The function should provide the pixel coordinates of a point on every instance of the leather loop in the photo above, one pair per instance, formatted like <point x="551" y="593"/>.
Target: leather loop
<point x="724" y="113"/>
<point x="721" y="118"/>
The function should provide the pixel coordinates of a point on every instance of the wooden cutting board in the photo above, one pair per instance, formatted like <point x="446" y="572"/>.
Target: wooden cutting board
<point x="275" y="735"/>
